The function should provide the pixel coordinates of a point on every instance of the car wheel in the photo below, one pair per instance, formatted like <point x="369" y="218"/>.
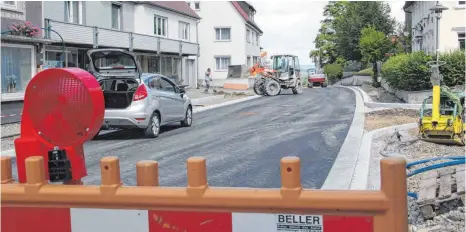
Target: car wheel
<point x="272" y="87"/>
<point x="153" y="129"/>
<point x="298" y="88"/>
<point x="188" y="118"/>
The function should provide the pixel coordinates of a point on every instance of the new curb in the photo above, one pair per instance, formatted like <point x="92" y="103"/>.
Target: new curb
<point x="342" y="171"/>
<point x="361" y="173"/>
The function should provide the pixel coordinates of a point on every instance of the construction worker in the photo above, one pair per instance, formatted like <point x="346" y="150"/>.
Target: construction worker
<point x="208" y="80"/>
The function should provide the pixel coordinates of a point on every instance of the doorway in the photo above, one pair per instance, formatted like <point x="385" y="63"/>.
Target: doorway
<point x="190" y="73"/>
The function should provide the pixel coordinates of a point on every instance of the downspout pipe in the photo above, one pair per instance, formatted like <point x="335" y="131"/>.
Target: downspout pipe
<point x="198" y="52"/>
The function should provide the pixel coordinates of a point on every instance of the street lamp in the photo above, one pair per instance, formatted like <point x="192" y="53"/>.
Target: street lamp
<point x="437" y="10"/>
<point x="435" y="77"/>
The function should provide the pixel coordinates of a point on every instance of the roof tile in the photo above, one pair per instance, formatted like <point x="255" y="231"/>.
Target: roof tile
<point x="177" y="6"/>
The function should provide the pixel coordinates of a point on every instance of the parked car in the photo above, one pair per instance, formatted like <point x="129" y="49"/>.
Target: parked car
<point x="317" y="80"/>
<point x="133" y="99"/>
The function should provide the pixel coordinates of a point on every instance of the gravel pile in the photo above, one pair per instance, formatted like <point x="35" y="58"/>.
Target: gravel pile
<point x="380" y="94"/>
<point x="451" y="215"/>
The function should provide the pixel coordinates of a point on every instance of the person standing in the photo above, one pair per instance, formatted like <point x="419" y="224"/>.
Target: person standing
<point x="208" y="80"/>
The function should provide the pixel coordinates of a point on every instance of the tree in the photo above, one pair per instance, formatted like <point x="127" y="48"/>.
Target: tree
<point x="353" y="18"/>
<point x="325" y="51"/>
<point x="374" y="45"/>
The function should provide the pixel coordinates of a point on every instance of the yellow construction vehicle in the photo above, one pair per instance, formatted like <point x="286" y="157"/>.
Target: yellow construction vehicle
<point x="444" y="121"/>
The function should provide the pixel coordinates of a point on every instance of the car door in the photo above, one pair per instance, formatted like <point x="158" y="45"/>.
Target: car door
<point x="176" y="106"/>
<point x="157" y="96"/>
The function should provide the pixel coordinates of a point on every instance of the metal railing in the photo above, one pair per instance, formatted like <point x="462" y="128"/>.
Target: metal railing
<point x="97" y="36"/>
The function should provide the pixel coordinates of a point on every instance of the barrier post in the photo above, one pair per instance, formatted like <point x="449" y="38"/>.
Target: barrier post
<point x="383" y="210"/>
<point x="393" y="185"/>
<point x="7" y="175"/>
<point x="147" y="173"/>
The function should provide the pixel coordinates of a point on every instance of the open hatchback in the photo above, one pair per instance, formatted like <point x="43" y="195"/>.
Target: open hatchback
<point x="119" y="75"/>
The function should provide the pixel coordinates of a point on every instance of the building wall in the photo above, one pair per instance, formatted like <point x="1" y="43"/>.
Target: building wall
<point x="24" y="11"/>
<point x="220" y="14"/>
<point x="19" y="59"/>
<point x="95" y="13"/>
<point x="144" y="22"/>
<point x="452" y="22"/>
<point x="252" y="48"/>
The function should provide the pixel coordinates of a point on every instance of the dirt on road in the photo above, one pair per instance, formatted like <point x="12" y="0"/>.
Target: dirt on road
<point x="390" y="117"/>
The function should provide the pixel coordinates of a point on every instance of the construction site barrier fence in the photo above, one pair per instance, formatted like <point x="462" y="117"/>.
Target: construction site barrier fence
<point x="39" y="206"/>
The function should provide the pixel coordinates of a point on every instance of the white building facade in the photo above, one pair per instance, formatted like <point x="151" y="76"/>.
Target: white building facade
<point x="423" y="23"/>
<point x="163" y="34"/>
<point x="228" y="35"/>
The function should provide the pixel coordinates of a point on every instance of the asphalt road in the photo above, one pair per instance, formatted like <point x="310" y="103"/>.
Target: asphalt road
<point x="243" y="143"/>
<point x="11" y="112"/>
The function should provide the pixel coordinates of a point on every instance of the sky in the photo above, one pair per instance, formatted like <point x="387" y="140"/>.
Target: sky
<point x="292" y="27"/>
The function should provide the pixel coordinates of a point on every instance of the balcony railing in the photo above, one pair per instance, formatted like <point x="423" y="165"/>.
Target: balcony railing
<point x="96" y="36"/>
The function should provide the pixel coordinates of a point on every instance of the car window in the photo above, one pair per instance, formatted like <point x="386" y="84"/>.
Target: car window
<point x="154" y="83"/>
<point x="167" y="86"/>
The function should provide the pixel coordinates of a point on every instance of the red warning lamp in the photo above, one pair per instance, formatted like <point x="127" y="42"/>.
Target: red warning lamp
<point x="63" y="108"/>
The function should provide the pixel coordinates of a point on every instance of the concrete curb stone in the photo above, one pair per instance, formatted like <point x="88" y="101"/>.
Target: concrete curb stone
<point x="361" y="174"/>
<point x="346" y="161"/>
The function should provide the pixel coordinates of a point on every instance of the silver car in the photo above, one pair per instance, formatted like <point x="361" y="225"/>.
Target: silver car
<point x="134" y="99"/>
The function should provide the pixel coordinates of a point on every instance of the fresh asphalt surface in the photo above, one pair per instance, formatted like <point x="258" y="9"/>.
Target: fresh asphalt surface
<point x="11" y="112"/>
<point x="242" y="143"/>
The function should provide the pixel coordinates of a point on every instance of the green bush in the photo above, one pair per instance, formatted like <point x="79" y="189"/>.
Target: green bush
<point x="453" y="70"/>
<point x="334" y="72"/>
<point x="364" y="72"/>
<point x="408" y="71"/>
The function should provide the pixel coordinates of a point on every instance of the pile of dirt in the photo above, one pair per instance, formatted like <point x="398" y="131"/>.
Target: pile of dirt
<point x="390" y="117"/>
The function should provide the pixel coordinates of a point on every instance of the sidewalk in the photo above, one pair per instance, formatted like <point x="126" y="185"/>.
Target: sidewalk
<point x="381" y="124"/>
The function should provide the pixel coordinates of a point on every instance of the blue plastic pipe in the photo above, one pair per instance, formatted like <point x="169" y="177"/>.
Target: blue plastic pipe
<point x="434" y="159"/>
<point x="436" y="166"/>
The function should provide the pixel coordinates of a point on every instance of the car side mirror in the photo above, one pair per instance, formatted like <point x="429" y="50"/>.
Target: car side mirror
<point x="182" y="91"/>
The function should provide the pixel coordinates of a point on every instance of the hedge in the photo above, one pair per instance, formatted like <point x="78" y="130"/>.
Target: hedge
<point x="411" y="73"/>
<point x="453" y="70"/>
<point x="334" y="72"/>
<point x="364" y="72"/>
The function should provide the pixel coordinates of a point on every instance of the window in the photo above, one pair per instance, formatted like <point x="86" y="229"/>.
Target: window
<point x="160" y="26"/>
<point x="254" y="59"/>
<point x="257" y="39"/>
<point x="461" y="2"/>
<point x="116" y="16"/>
<point x="461" y="37"/>
<point x="253" y="38"/>
<point x="8" y="4"/>
<point x="222" y="63"/>
<point x="248" y="38"/>
<point x="166" y="86"/>
<point x="197" y="5"/>
<point x="251" y="16"/>
<point x="248" y="61"/>
<point x="18" y="66"/>
<point x="222" y="34"/>
<point x="73" y="12"/>
<point x="183" y="31"/>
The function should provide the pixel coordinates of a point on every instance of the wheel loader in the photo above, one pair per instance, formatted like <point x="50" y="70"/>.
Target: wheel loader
<point x="444" y="121"/>
<point x="284" y="74"/>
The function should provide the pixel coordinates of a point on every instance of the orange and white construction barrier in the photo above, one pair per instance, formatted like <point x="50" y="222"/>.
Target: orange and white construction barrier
<point x="42" y="207"/>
